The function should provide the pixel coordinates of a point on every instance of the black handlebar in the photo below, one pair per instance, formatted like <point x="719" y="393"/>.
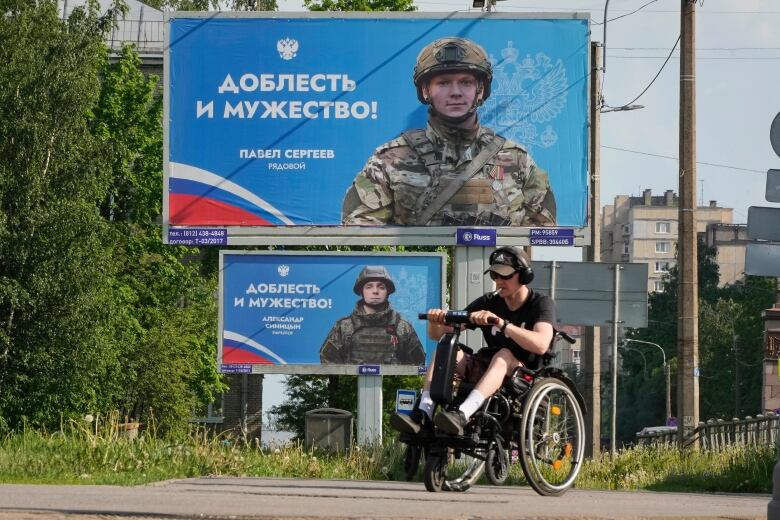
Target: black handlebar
<point x="462" y="318"/>
<point x="456" y="317"/>
<point x="566" y="337"/>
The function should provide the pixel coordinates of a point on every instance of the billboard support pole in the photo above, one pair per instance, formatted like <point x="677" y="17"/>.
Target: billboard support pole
<point x="244" y="390"/>
<point x="369" y="410"/>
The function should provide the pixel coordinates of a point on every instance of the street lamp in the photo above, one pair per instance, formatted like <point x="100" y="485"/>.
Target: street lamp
<point x="644" y="358"/>
<point x="624" y="108"/>
<point x="666" y="373"/>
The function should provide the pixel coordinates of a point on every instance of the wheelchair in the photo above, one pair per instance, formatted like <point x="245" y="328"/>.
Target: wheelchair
<point x="536" y="418"/>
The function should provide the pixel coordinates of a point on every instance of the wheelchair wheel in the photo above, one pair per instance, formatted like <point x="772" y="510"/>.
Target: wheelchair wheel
<point x="412" y="460"/>
<point x="552" y="437"/>
<point x="497" y="465"/>
<point x="435" y="472"/>
<point x="444" y="472"/>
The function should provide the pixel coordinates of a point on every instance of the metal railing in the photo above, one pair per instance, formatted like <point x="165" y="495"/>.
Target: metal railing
<point x="717" y="434"/>
<point x="147" y="35"/>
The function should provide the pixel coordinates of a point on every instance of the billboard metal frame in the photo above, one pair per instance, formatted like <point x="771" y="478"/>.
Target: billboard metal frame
<point x="361" y="235"/>
<point x="319" y="369"/>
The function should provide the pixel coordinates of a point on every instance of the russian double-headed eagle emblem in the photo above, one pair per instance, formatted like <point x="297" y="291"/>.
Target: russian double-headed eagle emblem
<point x="288" y="48"/>
<point x="527" y="96"/>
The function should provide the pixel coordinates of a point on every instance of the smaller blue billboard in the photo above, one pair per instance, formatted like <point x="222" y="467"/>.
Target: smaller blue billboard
<point x="279" y="310"/>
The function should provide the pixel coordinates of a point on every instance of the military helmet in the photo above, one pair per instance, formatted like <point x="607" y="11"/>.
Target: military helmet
<point x="372" y="273"/>
<point x="452" y="54"/>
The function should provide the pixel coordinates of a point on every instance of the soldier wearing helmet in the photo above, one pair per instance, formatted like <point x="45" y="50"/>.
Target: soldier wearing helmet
<point x="455" y="172"/>
<point x="374" y="332"/>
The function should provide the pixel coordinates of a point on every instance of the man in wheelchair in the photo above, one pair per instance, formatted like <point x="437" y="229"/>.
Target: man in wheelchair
<point x="517" y="324"/>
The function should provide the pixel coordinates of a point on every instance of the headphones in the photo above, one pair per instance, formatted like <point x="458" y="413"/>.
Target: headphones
<point x="519" y="262"/>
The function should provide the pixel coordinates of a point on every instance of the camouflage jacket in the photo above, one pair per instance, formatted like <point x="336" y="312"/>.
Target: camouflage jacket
<point x="395" y="184"/>
<point x="382" y="338"/>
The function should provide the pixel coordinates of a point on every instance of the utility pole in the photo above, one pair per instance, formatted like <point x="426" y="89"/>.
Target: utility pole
<point x="590" y="352"/>
<point x="737" y="397"/>
<point x="687" y="303"/>
<point x="615" y="324"/>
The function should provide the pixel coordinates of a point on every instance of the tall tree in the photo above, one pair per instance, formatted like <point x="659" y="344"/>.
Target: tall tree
<point x="214" y="5"/>
<point x="641" y="401"/>
<point x="360" y="5"/>
<point x="169" y="355"/>
<point x="732" y="353"/>
<point x="95" y="313"/>
<point x="730" y="349"/>
<point x="57" y="350"/>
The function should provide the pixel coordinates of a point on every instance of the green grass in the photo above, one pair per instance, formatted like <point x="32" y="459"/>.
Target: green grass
<point x="738" y="469"/>
<point x="84" y="453"/>
<point x="85" y="457"/>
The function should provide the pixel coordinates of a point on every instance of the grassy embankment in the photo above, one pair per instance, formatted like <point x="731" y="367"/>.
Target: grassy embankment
<point x="92" y="454"/>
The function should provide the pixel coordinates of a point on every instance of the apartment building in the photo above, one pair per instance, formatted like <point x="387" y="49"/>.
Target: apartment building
<point x="730" y="242"/>
<point x="644" y="229"/>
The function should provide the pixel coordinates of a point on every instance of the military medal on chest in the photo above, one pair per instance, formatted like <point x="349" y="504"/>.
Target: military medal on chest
<point x="497" y="173"/>
<point x="393" y="336"/>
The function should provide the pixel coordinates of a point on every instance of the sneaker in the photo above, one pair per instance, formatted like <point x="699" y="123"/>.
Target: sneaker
<point x="407" y="423"/>
<point x="451" y="422"/>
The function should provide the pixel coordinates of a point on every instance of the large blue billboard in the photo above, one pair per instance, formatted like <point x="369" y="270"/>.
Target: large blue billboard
<point x="338" y="308"/>
<point x="270" y="118"/>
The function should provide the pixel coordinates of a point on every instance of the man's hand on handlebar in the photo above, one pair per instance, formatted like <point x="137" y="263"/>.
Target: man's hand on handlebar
<point x="437" y="316"/>
<point x="443" y="317"/>
<point x="484" y="318"/>
<point x="441" y="321"/>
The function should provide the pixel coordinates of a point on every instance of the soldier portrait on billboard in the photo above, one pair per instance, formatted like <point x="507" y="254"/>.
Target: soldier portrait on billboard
<point x="374" y="333"/>
<point x="455" y="172"/>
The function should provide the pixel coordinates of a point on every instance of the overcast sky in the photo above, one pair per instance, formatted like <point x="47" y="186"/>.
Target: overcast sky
<point x="737" y="88"/>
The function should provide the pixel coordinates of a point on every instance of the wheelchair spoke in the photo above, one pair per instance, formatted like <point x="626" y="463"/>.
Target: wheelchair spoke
<point x="552" y="437"/>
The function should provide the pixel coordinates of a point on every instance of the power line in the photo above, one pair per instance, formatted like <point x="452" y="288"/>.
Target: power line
<point x="714" y="12"/>
<point x="601" y="8"/>
<point x="712" y="58"/>
<point x="543" y="8"/>
<point x="677" y="159"/>
<point x="624" y="15"/>
<point x="698" y="48"/>
<point x="656" y="74"/>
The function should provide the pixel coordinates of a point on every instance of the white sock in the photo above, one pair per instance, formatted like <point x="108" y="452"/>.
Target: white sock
<point x="472" y="403"/>
<point x="426" y="403"/>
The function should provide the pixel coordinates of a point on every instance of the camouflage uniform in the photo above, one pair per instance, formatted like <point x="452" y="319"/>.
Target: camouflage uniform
<point x="380" y="338"/>
<point x="510" y="190"/>
<point x="396" y="186"/>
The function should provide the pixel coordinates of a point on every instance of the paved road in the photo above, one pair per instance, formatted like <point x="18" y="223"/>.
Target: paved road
<point x="268" y="498"/>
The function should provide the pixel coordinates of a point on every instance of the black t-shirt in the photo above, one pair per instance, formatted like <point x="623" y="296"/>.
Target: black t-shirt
<point x="537" y="308"/>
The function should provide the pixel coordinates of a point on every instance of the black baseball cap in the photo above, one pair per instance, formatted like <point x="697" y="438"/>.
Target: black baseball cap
<point x="502" y="263"/>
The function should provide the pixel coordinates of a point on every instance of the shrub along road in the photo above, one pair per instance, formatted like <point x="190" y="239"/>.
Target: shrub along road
<point x="269" y="498"/>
